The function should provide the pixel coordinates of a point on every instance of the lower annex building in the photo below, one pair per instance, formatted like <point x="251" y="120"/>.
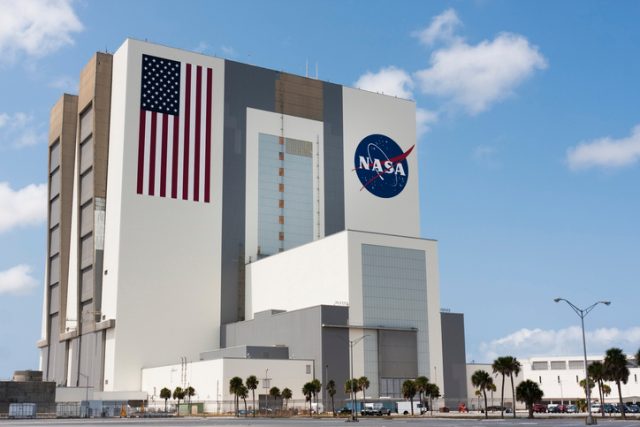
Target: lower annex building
<point x="239" y="219"/>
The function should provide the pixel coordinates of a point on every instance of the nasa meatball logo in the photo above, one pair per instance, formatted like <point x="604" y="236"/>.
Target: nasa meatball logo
<point x="382" y="166"/>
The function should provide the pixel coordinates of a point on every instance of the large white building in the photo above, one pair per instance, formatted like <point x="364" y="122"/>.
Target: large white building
<point x="190" y="193"/>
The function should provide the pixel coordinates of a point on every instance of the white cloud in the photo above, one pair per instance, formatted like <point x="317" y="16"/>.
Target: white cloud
<point x="65" y="83"/>
<point x="606" y="152"/>
<point x="201" y="48"/>
<point x="17" y="280"/>
<point x="526" y="343"/>
<point x="18" y="130"/>
<point x="476" y="76"/>
<point x="424" y="120"/>
<point x="390" y="81"/>
<point x="228" y="50"/>
<point x="442" y="28"/>
<point x="36" y="27"/>
<point x="23" y="207"/>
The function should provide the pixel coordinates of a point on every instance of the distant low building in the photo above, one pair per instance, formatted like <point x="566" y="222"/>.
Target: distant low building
<point x="559" y="378"/>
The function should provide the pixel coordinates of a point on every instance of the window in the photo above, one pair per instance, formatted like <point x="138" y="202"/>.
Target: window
<point x="559" y="364"/>
<point x="308" y="369"/>
<point x="540" y="366"/>
<point x="540" y="379"/>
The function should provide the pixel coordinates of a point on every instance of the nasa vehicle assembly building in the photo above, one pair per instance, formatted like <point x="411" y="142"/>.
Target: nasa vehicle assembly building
<point x="242" y="220"/>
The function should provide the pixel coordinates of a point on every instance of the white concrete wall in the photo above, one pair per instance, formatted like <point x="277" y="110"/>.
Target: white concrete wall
<point x="162" y="255"/>
<point x="560" y="385"/>
<point x="210" y="378"/>
<point x="311" y="274"/>
<point x="366" y="113"/>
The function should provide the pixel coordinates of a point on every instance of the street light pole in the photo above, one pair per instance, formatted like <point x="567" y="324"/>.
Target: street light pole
<point x="354" y="417"/>
<point x="582" y="313"/>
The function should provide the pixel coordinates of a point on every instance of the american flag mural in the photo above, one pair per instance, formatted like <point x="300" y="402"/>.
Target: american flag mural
<point x="174" y="143"/>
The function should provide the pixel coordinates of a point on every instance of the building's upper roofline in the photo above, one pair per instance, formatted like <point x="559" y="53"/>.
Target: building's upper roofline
<point x="261" y="67"/>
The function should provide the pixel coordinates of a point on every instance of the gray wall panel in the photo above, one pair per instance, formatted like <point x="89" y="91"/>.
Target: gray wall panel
<point x="245" y="86"/>
<point x="333" y="159"/>
<point x="454" y="358"/>
<point x="397" y="354"/>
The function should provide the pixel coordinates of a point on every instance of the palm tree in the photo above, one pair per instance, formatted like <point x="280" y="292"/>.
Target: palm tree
<point x="483" y="381"/>
<point x="583" y="385"/>
<point x="421" y="386"/>
<point x="275" y="393"/>
<point x="503" y="366"/>
<point x="597" y="374"/>
<point x="615" y="367"/>
<point x="190" y="391"/>
<point x="409" y="391"/>
<point x="243" y="392"/>
<point x="234" y="388"/>
<point x="351" y="386"/>
<point x="507" y="366"/>
<point x="363" y="385"/>
<point x="529" y="393"/>
<point x="178" y="394"/>
<point x="433" y="392"/>
<point x="307" y="390"/>
<point x="286" y="395"/>
<point x="252" y="384"/>
<point x="165" y="394"/>
<point x="638" y="358"/>
<point x="331" y="389"/>
<point x="317" y="386"/>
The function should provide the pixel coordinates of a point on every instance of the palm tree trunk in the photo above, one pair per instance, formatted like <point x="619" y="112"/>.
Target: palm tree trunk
<point x="601" y="394"/>
<point x="245" y="407"/>
<point x="253" y="396"/>
<point x="502" y="399"/>
<point x="530" y="410"/>
<point x="620" y="396"/>
<point x="513" y="395"/>
<point x="486" y="413"/>
<point x="411" y="400"/>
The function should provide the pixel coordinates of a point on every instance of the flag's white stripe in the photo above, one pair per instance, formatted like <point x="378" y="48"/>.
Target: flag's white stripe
<point x="156" y="186"/>
<point x="192" y="132"/>
<point x="183" y="73"/>
<point x="169" y="156"/>
<point x="203" y="130"/>
<point x="147" y="152"/>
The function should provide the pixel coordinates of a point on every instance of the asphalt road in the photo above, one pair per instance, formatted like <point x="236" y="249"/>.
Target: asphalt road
<point x="323" y="422"/>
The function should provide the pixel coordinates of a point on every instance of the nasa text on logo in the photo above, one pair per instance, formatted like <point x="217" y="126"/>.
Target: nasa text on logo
<point x="382" y="166"/>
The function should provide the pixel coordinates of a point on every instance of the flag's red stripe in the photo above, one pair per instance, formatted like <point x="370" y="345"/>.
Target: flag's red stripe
<point x="196" y="148"/>
<point x="152" y="155"/>
<point x="163" y="159"/>
<point x="143" y="116"/>
<point x="174" y="161"/>
<point x="187" y="112"/>
<point x="207" y="149"/>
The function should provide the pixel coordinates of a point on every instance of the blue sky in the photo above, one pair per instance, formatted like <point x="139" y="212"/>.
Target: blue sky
<point x="529" y="142"/>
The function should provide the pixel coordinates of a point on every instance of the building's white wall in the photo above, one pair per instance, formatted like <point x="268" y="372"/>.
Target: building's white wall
<point x="309" y="275"/>
<point x="162" y="255"/>
<point x="366" y="113"/>
<point x="259" y="121"/>
<point x="493" y="398"/>
<point x="560" y="385"/>
<point x="210" y="378"/>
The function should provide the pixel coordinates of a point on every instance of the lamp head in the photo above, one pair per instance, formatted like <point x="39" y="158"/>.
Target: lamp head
<point x="557" y="299"/>
<point x="606" y="302"/>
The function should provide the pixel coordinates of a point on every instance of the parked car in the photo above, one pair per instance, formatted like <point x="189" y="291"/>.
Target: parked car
<point x="610" y="408"/>
<point x="572" y="409"/>
<point x="634" y="409"/>
<point x="539" y="407"/>
<point x="344" y="410"/>
<point x="557" y="409"/>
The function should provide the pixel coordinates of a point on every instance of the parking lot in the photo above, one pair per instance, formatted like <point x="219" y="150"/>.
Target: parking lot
<point x="441" y="421"/>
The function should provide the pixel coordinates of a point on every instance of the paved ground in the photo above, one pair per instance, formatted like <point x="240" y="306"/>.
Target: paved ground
<point x="399" y="421"/>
